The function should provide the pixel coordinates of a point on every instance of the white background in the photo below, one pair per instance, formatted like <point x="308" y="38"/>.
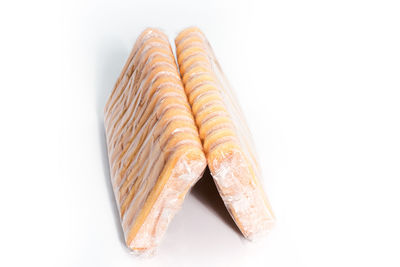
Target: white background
<point x="319" y="82"/>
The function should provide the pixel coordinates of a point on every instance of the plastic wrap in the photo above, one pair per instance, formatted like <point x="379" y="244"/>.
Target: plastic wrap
<point x="154" y="150"/>
<point x="225" y="136"/>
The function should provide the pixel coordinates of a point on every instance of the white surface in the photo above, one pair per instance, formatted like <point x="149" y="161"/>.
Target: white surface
<point x="319" y="83"/>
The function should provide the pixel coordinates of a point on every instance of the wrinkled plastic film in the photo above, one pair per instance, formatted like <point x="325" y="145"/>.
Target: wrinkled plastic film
<point x="155" y="154"/>
<point x="224" y="133"/>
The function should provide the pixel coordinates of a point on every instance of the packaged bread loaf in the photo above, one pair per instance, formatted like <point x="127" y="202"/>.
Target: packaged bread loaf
<point x="154" y="150"/>
<point x="224" y="134"/>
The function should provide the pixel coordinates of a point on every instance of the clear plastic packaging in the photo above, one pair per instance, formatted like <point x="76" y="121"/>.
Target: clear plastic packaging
<point x="154" y="150"/>
<point x="224" y="133"/>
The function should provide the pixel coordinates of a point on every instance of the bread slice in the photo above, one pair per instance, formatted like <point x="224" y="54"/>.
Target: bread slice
<point x="225" y="137"/>
<point x="154" y="149"/>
